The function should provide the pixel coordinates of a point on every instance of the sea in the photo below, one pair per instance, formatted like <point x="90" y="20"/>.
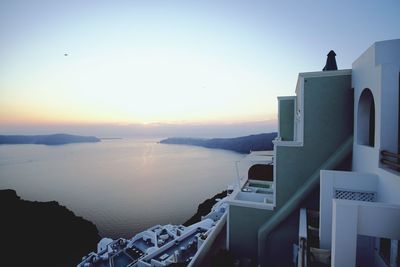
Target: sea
<point x="123" y="186"/>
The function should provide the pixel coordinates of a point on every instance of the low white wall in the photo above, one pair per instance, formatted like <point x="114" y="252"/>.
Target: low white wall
<point x="331" y="180"/>
<point x="389" y="186"/>
<point x="365" y="158"/>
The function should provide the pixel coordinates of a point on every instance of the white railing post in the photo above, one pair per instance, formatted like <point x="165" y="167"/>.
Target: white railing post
<point x="344" y="235"/>
<point x="302" y="255"/>
<point x="237" y="172"/>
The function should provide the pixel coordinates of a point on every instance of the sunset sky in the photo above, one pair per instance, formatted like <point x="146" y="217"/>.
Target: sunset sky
<point x="171" y="62"/>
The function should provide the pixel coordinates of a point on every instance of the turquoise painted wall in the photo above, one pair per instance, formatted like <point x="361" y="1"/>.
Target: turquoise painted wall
<point x="286" y="119"/>
<point x="328" y="122"/>
<point x="243" y="230"/>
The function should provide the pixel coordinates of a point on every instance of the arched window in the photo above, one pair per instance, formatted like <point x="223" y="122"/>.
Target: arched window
<point x="261" y="172"/>
<point x="366" y="119"/>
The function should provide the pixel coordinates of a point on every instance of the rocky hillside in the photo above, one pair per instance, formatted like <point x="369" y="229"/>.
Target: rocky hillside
<point x="42" y="233"/>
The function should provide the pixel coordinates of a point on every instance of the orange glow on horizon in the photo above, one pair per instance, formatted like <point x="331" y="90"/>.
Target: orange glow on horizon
<point x="37" y="118"/>
<point x="63" y="112"/>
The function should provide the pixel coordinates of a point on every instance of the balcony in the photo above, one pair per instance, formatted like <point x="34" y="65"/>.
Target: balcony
<point x="255" y="186"/>
<point x="256" y="191"/>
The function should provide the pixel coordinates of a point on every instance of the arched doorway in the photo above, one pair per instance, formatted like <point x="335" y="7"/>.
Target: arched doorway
<point x="366" y="119"/>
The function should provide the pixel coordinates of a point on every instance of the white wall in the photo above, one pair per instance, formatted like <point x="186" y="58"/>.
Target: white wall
<point x="353" y="218"/>
<point x="389" y="186"/>
<point x="389" y="74"/>
<point x="366" y="74"/>
<point x="378" y="69"/>
<point x="365" y="158"/>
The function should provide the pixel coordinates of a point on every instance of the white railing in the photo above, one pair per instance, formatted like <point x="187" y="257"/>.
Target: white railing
<point x="303" y="251"/>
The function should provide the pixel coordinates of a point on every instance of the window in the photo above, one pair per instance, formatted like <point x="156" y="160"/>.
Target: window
<point x="366" y="119"/>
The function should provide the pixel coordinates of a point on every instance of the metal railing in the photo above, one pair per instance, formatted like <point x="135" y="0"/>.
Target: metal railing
<point x="390" y="159"/>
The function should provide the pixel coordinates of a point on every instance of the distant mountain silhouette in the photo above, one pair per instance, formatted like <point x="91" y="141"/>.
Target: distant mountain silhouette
<point x="243" y="144"/>
<point x="52" y="139"/>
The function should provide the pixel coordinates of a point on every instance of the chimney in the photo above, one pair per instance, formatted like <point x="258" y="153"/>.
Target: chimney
<point x="330" y="61"/>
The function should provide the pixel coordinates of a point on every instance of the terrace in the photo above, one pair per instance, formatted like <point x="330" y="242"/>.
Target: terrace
<point x="181" y="250"/>
<point x="256" y="186"/>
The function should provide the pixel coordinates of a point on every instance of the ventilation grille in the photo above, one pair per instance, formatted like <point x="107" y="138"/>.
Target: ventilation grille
<point x="355" y="195"/>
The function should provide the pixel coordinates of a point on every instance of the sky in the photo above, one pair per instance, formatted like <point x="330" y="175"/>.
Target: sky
<point x="170" y="67"/>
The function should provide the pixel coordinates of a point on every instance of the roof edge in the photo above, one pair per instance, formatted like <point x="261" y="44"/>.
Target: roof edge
<point x="325" y="73"/>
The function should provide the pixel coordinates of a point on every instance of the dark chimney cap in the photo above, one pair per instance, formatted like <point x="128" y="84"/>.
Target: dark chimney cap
<point x="330" y="61"/>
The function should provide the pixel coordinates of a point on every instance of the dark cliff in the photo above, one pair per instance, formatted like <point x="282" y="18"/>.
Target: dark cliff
<point x="42" y="233"/>
<point x="204" y="208"/>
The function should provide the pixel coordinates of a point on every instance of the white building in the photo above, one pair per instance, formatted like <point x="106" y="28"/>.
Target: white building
<point x="360" y="209"/>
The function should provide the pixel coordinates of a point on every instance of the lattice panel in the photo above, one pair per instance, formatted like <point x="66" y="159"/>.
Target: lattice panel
<point x="355" y="195"/>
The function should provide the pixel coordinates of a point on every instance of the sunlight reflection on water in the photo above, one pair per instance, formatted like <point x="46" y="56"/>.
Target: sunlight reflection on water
<point x="123" y="186"/>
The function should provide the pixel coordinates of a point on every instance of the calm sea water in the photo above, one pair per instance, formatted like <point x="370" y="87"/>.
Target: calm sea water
<point x="123" y="186"/>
